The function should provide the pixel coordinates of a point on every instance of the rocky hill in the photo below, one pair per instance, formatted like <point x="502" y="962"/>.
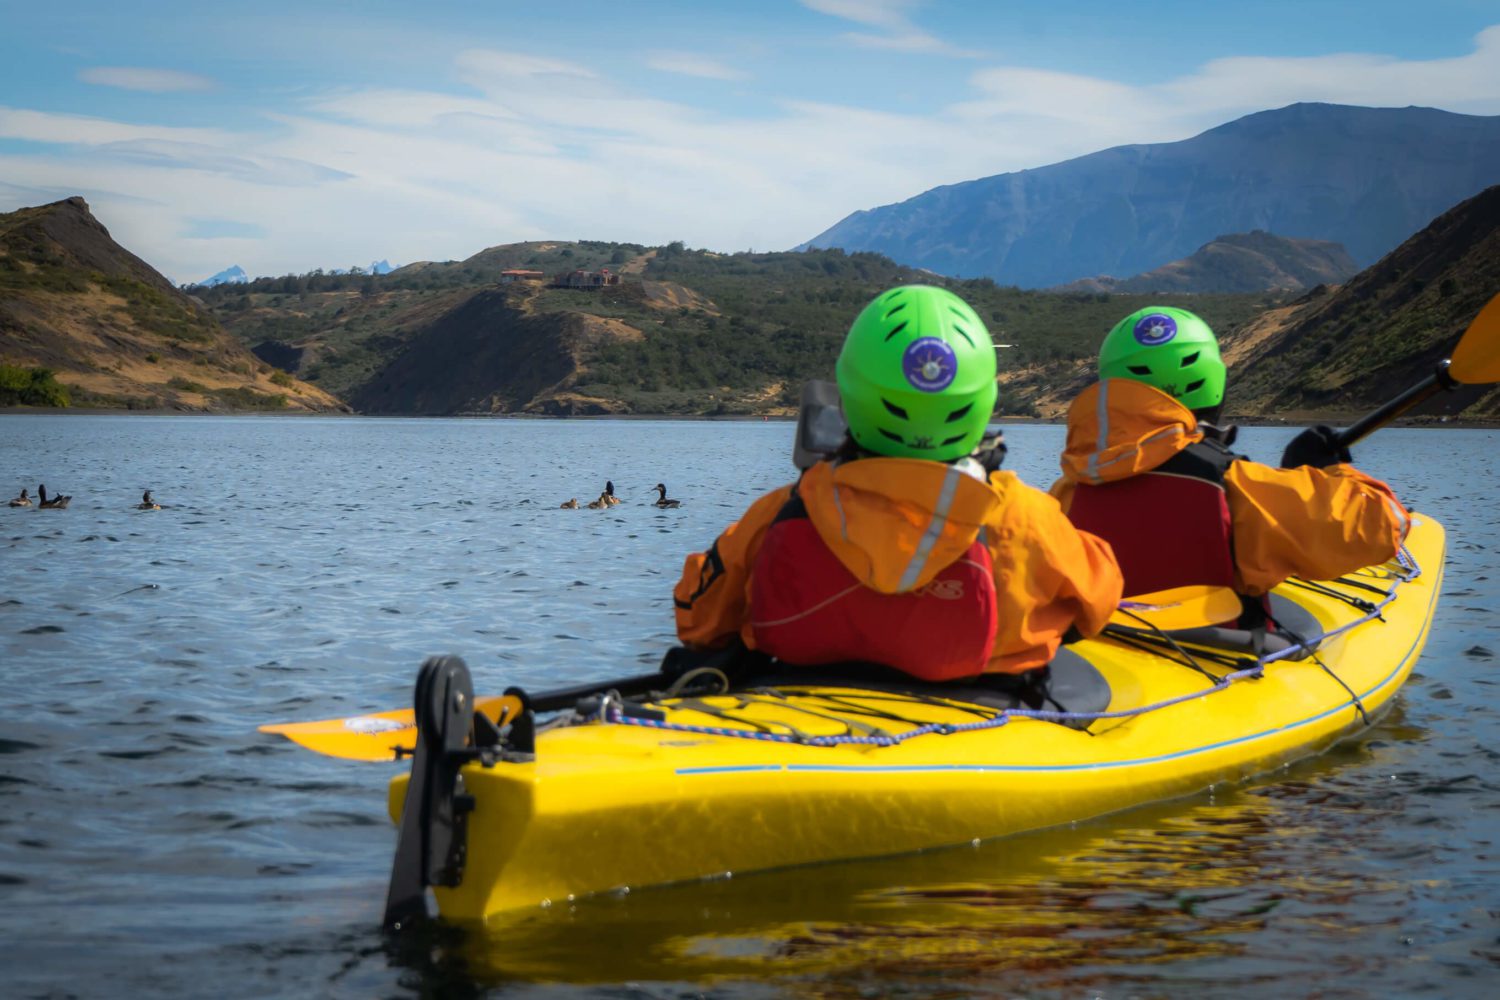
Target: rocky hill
<point x="1352" y="348"/>
<point x="1364" y="177"/>
<point x="114" y="332"/>
<point x="1240" y="262"/>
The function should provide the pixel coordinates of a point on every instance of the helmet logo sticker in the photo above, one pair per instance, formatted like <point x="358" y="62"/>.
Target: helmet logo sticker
<point x="929" y="364"/>
<point x="1154" y="329"/>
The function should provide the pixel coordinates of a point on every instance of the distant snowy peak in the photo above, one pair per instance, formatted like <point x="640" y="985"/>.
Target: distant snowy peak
<point x="381" y="267"/>
<point x="229" y="276"/>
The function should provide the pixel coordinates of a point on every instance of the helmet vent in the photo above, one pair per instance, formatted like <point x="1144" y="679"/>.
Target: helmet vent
<point x="1138" y="369"/>
<point x="1193" y="386"/>
<point x="896" y="329"/>
<point x="955" y="439"/>
<point x="1190" y="359"/>
<point x="963" y="333"/>
<point x="894" y="437"/>
<point x="896" y="411"/>
<point x="958" y="414"/>
<point x="899" y="306"/>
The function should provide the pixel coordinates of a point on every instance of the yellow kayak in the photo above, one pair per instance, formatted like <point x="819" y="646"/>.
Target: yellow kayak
<point x="635" y="787"/>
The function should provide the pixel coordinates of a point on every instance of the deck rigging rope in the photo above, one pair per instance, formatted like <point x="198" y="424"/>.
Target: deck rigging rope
<point x="611" y="711"/>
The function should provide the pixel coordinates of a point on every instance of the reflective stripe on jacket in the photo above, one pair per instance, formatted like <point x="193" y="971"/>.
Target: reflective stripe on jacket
<point x="1313" y="523"/>
<point x="895" y="524"/>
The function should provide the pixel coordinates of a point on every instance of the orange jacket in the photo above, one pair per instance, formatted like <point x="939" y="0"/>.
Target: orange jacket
<point x="1313" y="523"/>
<point x="876" y="513"/>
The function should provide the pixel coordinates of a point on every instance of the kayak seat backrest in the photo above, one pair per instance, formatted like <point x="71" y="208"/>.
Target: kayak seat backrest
<point x="1293" y="624"/>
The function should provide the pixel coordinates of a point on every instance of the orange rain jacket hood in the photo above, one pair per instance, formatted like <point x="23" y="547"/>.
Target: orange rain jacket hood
<point x="1307" y="522"/>
<point x="881" y="519"/>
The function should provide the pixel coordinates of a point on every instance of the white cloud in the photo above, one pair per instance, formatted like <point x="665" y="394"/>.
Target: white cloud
<point x="157" y="81"/>
<point x="892" y="18"/>
<point x="689" y="64"/>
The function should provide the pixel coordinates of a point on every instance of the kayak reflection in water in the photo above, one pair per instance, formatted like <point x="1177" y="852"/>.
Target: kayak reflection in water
<point x="1147" y="470"/>
<point x="907" y="546"/>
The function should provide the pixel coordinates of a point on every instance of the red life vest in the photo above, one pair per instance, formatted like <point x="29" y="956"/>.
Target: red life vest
<point x="1169" y="527"/>
<point x="806" y="608"/>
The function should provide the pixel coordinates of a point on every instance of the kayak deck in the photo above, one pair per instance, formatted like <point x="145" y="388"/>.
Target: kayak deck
<point x="699" y="786"/>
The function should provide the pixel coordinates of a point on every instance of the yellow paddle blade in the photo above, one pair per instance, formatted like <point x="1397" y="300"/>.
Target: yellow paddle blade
<point x="1476" y="359"/>
<point x="1180" y="607"/>
<point x="379" y="735"/>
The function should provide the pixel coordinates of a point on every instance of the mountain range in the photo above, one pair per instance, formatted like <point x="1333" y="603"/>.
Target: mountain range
<point x="232" y="275"/>
<point x="1364" y="177"/>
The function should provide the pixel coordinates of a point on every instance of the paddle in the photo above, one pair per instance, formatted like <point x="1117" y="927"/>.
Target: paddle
<point x="376" y="736"/>
<point x="379" y="736"/>
<point x="1475" y="361"/>
<point x="1178" y="608"/>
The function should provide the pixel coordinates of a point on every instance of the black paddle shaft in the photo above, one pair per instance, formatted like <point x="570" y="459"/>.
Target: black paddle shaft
<point x="1438" y="381"/>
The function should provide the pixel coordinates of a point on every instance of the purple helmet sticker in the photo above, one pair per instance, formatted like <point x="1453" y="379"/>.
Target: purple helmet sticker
<point x="929" y="364"/>
<point x="1154" y="329"/>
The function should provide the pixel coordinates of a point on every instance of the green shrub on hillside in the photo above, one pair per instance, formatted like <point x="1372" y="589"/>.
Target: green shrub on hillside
<point x="155" y="311"/>
<point x="240" y="398"/>
<point x="31" y="387"/>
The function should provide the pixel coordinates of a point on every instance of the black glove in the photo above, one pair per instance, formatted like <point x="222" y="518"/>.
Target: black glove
<point x="1317" y="446"/>
<point x="1223" y="435"/>
<point x="991" y="453"/>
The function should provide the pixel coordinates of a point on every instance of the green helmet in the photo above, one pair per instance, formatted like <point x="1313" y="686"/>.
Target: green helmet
<point x="1170" y="349"/>
<point x="917" y="375"/>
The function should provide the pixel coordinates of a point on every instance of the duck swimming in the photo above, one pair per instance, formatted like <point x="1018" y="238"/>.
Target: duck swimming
<point x="56" y="503"/>
<point x="662" y="501"/>
<point x="24" y="500"/>
<point x="601" y="503"/>
<point x="570" y="504"/>
<point x="609" y="493"/>
<point x="147" y="503"/>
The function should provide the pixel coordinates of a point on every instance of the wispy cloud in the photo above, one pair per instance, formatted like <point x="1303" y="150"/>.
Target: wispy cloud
<point x="156" y="81"/>
<point x="1106" y="112"/>
<point x="51" y="127"/>
<point x="690" y="64"/>
<point x="257" y="168"/>
<point x="892" y="19"/>
<point x="221" y="229"/>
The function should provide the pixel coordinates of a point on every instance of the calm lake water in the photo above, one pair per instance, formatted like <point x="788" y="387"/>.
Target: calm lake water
<point x="152" y="843"/>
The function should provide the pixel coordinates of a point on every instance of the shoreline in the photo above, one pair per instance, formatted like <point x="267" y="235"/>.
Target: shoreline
<point x="1301" y="419"/>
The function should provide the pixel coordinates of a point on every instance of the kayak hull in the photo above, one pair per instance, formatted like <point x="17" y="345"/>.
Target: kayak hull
<point x="609" y="806"/>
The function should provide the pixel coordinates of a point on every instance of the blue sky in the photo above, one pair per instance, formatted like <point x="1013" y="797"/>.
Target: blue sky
<point x="287" y="136"/>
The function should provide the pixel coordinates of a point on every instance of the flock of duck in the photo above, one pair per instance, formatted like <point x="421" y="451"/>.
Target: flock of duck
<point x="44" y="502"/>
<point x="608" y="499"/>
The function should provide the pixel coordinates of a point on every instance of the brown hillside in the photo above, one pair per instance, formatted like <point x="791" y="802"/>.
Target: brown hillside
<point x="496" y="353"/>
<point x="1240" y="262"/>
<point x="114" y="331"/>
<point x="1351" y="349"/>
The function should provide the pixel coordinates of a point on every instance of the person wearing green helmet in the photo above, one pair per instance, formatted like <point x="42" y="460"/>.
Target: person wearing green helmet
<point x="907" y="546"/>
<point x="1147" y="469"/>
